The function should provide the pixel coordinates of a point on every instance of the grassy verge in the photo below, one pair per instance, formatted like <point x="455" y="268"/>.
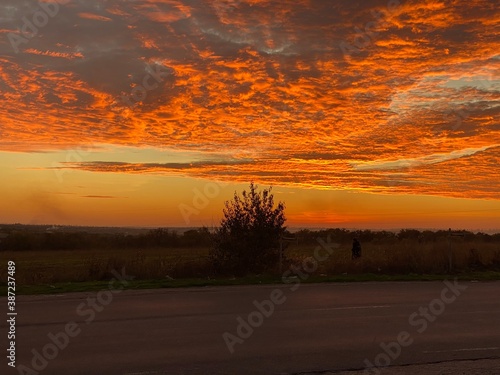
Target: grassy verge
<point x="64" y="271"/>
<point x="89" y="286"/>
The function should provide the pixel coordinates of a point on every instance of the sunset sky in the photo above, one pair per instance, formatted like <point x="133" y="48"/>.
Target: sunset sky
<point x="367" y="114"/>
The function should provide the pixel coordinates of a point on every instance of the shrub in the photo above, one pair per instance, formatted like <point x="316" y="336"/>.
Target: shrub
<point x="248" y="237"/>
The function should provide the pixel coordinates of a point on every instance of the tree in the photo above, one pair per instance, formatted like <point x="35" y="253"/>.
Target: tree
<point x="248" y="237"/>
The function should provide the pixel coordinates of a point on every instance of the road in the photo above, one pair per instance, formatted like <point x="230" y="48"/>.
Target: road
<point x="317" y="328"/>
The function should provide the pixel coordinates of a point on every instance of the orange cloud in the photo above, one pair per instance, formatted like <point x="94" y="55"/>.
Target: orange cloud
<point x="266" y="86"/>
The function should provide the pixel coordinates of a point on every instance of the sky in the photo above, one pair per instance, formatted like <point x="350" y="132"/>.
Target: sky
<point x="359" y="114"/>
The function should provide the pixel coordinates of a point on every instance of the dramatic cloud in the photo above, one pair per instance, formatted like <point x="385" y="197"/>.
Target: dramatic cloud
<point x="383" y="96"/>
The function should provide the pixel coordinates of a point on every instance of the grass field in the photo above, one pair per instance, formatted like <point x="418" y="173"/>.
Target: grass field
<point x="43" y="267"/>
<point x="45" y="271"/>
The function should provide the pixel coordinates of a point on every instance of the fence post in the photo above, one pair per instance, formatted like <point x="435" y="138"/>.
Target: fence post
<point x="450" y="265"/>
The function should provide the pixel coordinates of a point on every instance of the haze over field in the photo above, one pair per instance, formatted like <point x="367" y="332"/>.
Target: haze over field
<point x="361" y="114"/>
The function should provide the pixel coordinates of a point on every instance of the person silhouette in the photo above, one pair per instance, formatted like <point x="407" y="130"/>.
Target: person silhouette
<point x="356" y="249"/>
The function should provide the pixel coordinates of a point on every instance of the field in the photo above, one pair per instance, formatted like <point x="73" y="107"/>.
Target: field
<point x="172" y="266"/>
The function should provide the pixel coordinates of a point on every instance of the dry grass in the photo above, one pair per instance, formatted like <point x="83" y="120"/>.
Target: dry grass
<point x="405" y="256"/>
<point x="45" y="267"/>
<point x="398" y="257"/>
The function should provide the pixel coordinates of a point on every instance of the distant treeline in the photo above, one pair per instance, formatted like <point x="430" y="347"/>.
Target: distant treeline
<point x="344" y="235"/>
<point x="19" y="240"/>
<point x="24" y="241"/>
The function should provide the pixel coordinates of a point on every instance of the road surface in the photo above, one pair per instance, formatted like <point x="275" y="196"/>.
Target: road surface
<point x="314" y="329"/>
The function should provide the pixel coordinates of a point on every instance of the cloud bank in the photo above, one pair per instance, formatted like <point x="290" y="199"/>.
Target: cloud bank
<point x="376" y="95"/>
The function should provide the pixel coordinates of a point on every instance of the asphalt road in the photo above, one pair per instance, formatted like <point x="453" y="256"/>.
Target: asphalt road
<point x="314" y="329"/>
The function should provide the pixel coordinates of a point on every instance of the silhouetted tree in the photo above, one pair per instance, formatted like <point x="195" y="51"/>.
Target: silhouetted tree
<point x="249" y="233"/>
